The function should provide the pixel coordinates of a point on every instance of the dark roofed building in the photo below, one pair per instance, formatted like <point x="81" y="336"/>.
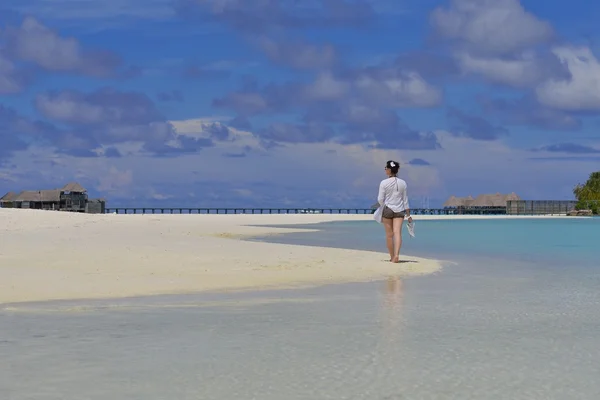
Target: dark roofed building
<point x="43" y="196"/>
<point x="71" y="197"/>
<point x="74" y="197"/>
<point x="74" y="187"/>
<point x="7" y="199"/>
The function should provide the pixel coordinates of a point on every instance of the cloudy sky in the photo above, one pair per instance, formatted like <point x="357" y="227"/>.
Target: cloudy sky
<point x="298" y="103"/>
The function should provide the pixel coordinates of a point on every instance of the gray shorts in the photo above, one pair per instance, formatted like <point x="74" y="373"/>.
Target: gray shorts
<point x="390" y="214"/>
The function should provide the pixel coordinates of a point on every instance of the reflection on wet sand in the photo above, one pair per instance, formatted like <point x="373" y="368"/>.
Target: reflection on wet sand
<point x="391" y="310"/>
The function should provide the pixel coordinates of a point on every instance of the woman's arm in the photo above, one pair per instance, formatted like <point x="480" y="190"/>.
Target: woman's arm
<point x="406" y="205"/>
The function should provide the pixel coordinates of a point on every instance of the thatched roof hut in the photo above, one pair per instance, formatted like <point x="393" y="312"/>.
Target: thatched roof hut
<point x="8" y="197"/>
<point x="512" y="196"/>
<point x="487" y="200"/>
<point x="73" y="187"/>
<point x="71" y="197"/>
<point x="454" y="202"/>
<point x="494" y="200"/>
<point x="483" y="200"/>
<point x="52" y="195"/>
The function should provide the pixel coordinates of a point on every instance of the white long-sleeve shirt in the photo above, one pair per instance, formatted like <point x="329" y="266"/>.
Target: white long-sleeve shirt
<point x="392" y="193"/>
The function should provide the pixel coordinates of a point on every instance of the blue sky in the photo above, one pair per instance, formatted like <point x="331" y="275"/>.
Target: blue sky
<point x="296" y="104"/>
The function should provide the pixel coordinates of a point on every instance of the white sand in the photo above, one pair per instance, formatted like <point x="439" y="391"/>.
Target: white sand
<point x="48" y="255"/>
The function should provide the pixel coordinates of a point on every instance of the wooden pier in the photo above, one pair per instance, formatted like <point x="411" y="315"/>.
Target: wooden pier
<point x="187" y="210"/>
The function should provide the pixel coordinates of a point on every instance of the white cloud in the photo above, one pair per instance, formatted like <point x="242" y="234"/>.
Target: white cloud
<point x="161" y="196"/>
<point x="198" y="128"/>
<point x="391" y="87"/>
<point x="115" y="180"/>
<point x="195" y="126"/>
<point x="491" y="26"/>
<point x="311" y="168"/>
<point x="398" y="89"/>
<point x="65" y="107"/>
<point x="498" y="40"/>
<point x="466" y="165"/>
<point x="517" y="72"/>
<point x="298" y="54"/>
<point x="309" y="173"/>
<point x="8" y="77"/>
<point x="36" y="43"/>
<point x="7" y="176"/>
<point x="326" y="87"/>
<point x="582" y="91"/>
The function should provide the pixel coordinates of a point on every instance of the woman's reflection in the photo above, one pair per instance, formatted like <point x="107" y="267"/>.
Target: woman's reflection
<point x="392" y="307"/>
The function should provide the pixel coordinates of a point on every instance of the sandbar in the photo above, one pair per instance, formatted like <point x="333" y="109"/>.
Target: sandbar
<point x="51" y="255"/>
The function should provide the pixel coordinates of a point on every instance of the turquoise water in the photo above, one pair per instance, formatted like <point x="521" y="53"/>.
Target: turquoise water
<point x="516" y="318"/>
<point x="554" y="240"/>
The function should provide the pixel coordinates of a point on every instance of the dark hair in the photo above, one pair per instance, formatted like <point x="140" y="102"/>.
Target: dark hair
<point x="393" y="166"/>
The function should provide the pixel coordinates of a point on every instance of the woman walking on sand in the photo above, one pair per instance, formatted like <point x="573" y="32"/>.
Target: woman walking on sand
<point x="393" y="208"/>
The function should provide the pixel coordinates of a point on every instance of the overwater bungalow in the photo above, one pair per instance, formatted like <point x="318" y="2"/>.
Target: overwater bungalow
<point x="72" y="197"/>
<point x="482" y="201"/>
<point x="458" y="202"/>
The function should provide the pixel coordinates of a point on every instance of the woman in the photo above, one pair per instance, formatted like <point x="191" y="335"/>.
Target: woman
<point x="393" y="207"/>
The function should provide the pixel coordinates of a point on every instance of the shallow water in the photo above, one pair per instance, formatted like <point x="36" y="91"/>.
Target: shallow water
<point x="465" y="333"/>
<point x="491" y="329"/>
<point x="553" y="240"/>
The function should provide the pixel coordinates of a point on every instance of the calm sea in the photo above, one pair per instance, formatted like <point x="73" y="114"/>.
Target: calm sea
<point x="515" y="317"/>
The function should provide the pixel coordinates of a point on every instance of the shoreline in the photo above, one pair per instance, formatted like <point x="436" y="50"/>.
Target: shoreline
<point x="328" y="217"/>
<point x="50" y="256"/>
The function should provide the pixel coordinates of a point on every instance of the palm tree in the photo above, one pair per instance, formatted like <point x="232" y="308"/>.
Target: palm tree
<point x="588" y="195"/>
<point x="590" y="190"/>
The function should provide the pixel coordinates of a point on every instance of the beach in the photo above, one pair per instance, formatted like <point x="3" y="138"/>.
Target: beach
<point x="49" y="255"/>
<point x="493" y="324"/>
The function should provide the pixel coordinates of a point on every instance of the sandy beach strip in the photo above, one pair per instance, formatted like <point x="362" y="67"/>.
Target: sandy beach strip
<point x="48" y="255"/>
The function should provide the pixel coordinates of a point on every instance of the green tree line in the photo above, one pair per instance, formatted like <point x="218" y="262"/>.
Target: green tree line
<point x="588" y="194"/>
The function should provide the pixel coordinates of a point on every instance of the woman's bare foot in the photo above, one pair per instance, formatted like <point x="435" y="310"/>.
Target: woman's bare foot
<point x="395" y="260"/>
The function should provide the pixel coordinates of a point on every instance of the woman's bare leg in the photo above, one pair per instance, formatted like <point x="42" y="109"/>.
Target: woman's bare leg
<point x="397" y="238"/>
<point x="389" y="235"/>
